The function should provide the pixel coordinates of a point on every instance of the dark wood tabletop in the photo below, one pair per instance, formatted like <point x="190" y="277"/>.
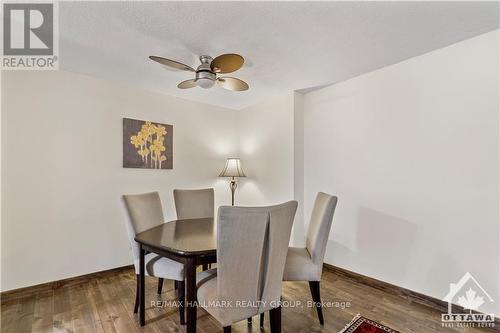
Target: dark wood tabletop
<point x="182" y="237"/>
<point x="191" y="242"/>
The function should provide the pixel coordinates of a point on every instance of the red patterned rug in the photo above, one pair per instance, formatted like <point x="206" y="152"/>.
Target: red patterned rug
<point x="360" y="324"/>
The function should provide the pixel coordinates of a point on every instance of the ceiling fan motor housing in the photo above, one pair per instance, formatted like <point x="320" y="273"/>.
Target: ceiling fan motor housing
<point x="205" y="78"/>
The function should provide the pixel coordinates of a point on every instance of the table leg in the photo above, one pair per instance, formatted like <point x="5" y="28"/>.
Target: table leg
<point x="142" y="301"/>
<point x="190" y="270"/>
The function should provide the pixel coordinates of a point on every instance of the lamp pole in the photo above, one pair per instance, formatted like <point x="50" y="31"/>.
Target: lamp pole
<point x="233" y="185"/>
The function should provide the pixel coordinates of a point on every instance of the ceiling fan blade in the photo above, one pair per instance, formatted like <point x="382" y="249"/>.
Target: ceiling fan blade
<point x="232" y="83"/>
<point x="227" y="63"/>
<point x="187" y="84"/>
<point x="172" y="63"/>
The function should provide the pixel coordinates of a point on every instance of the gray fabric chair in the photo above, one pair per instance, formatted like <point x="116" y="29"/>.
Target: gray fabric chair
<point x="144" y="212"/>
<point x="193" y="204"/>
<point x="306" y="264"/>
<point x="252" y="243"/>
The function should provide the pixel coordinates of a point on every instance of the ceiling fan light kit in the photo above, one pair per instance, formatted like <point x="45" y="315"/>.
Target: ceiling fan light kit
<point x="207" y="72"/>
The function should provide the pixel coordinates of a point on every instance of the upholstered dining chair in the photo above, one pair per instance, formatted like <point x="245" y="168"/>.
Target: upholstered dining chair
<point x="193" y="204"/>
<point x="306" y="264"/>
<point x="249" y="269"/>
<point x="145" y="212"/>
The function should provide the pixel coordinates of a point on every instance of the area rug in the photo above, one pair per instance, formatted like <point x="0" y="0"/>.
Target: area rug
<point x="360" y="324"/>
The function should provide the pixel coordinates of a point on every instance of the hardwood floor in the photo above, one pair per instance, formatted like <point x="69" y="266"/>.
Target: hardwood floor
<point x="105" y="304"/>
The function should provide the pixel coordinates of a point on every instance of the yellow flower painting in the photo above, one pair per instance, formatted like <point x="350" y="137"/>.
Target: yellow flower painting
<point x="147" y="145"/>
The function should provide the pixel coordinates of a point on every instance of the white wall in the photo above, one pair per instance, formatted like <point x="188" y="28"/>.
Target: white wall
<point x="1" y="201"/>
<point x="266" y="151"/>
<point x="62" y="169"/>
<point x="412" y="152"/>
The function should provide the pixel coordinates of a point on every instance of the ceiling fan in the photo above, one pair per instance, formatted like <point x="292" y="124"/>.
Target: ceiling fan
<point x="208" y="72"/>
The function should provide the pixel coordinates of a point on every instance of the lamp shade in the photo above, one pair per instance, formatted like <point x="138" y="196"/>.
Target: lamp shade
<point x="232" y="168"/>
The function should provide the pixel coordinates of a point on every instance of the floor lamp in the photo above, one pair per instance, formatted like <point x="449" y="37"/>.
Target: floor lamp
<point x="232" y="169"/>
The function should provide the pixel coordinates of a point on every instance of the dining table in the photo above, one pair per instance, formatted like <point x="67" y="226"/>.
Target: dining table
<point x="191" y="242"/>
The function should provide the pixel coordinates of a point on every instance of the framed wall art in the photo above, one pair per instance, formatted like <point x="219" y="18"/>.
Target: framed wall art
<point x="147" y="145"/>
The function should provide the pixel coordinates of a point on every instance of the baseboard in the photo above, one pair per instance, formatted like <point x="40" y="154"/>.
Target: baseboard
<point x="14" y="294"/>
<point x="392" y="289"/>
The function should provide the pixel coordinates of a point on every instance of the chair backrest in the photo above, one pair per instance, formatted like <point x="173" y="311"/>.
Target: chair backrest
<point x="193" y="204"/>
<point x="252" y="244"/>
<point x="319" y="226"/>
<point x="144" y="212"/>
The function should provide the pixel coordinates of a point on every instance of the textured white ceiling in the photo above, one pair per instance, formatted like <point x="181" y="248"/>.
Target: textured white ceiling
<point x="286" y="45"/>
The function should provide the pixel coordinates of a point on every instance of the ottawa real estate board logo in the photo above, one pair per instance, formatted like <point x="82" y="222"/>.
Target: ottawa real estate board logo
<point x="30" y="36"/>
<point x="468" y="294"/>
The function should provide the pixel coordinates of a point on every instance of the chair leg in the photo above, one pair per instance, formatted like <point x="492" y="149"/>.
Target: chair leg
<point x="136" y="305"/>
<point x="160" y="285"/>
<point x="314" y="286"/>
<point x="249" y="321"/>
<point x="176" y="284"/>
<point x="204" y="267"/>
<point x="262" y="320"/>
<point x="227" y="329"/>
<point x="182" y="298"/>
<point x="275" y="319"/>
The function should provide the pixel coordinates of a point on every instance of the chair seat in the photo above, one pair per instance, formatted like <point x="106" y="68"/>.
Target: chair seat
<point x="204" y="276"/>
<point x="162" y="267"/>
<point x="300" y="267"/>
<point x="207" y="298"/>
